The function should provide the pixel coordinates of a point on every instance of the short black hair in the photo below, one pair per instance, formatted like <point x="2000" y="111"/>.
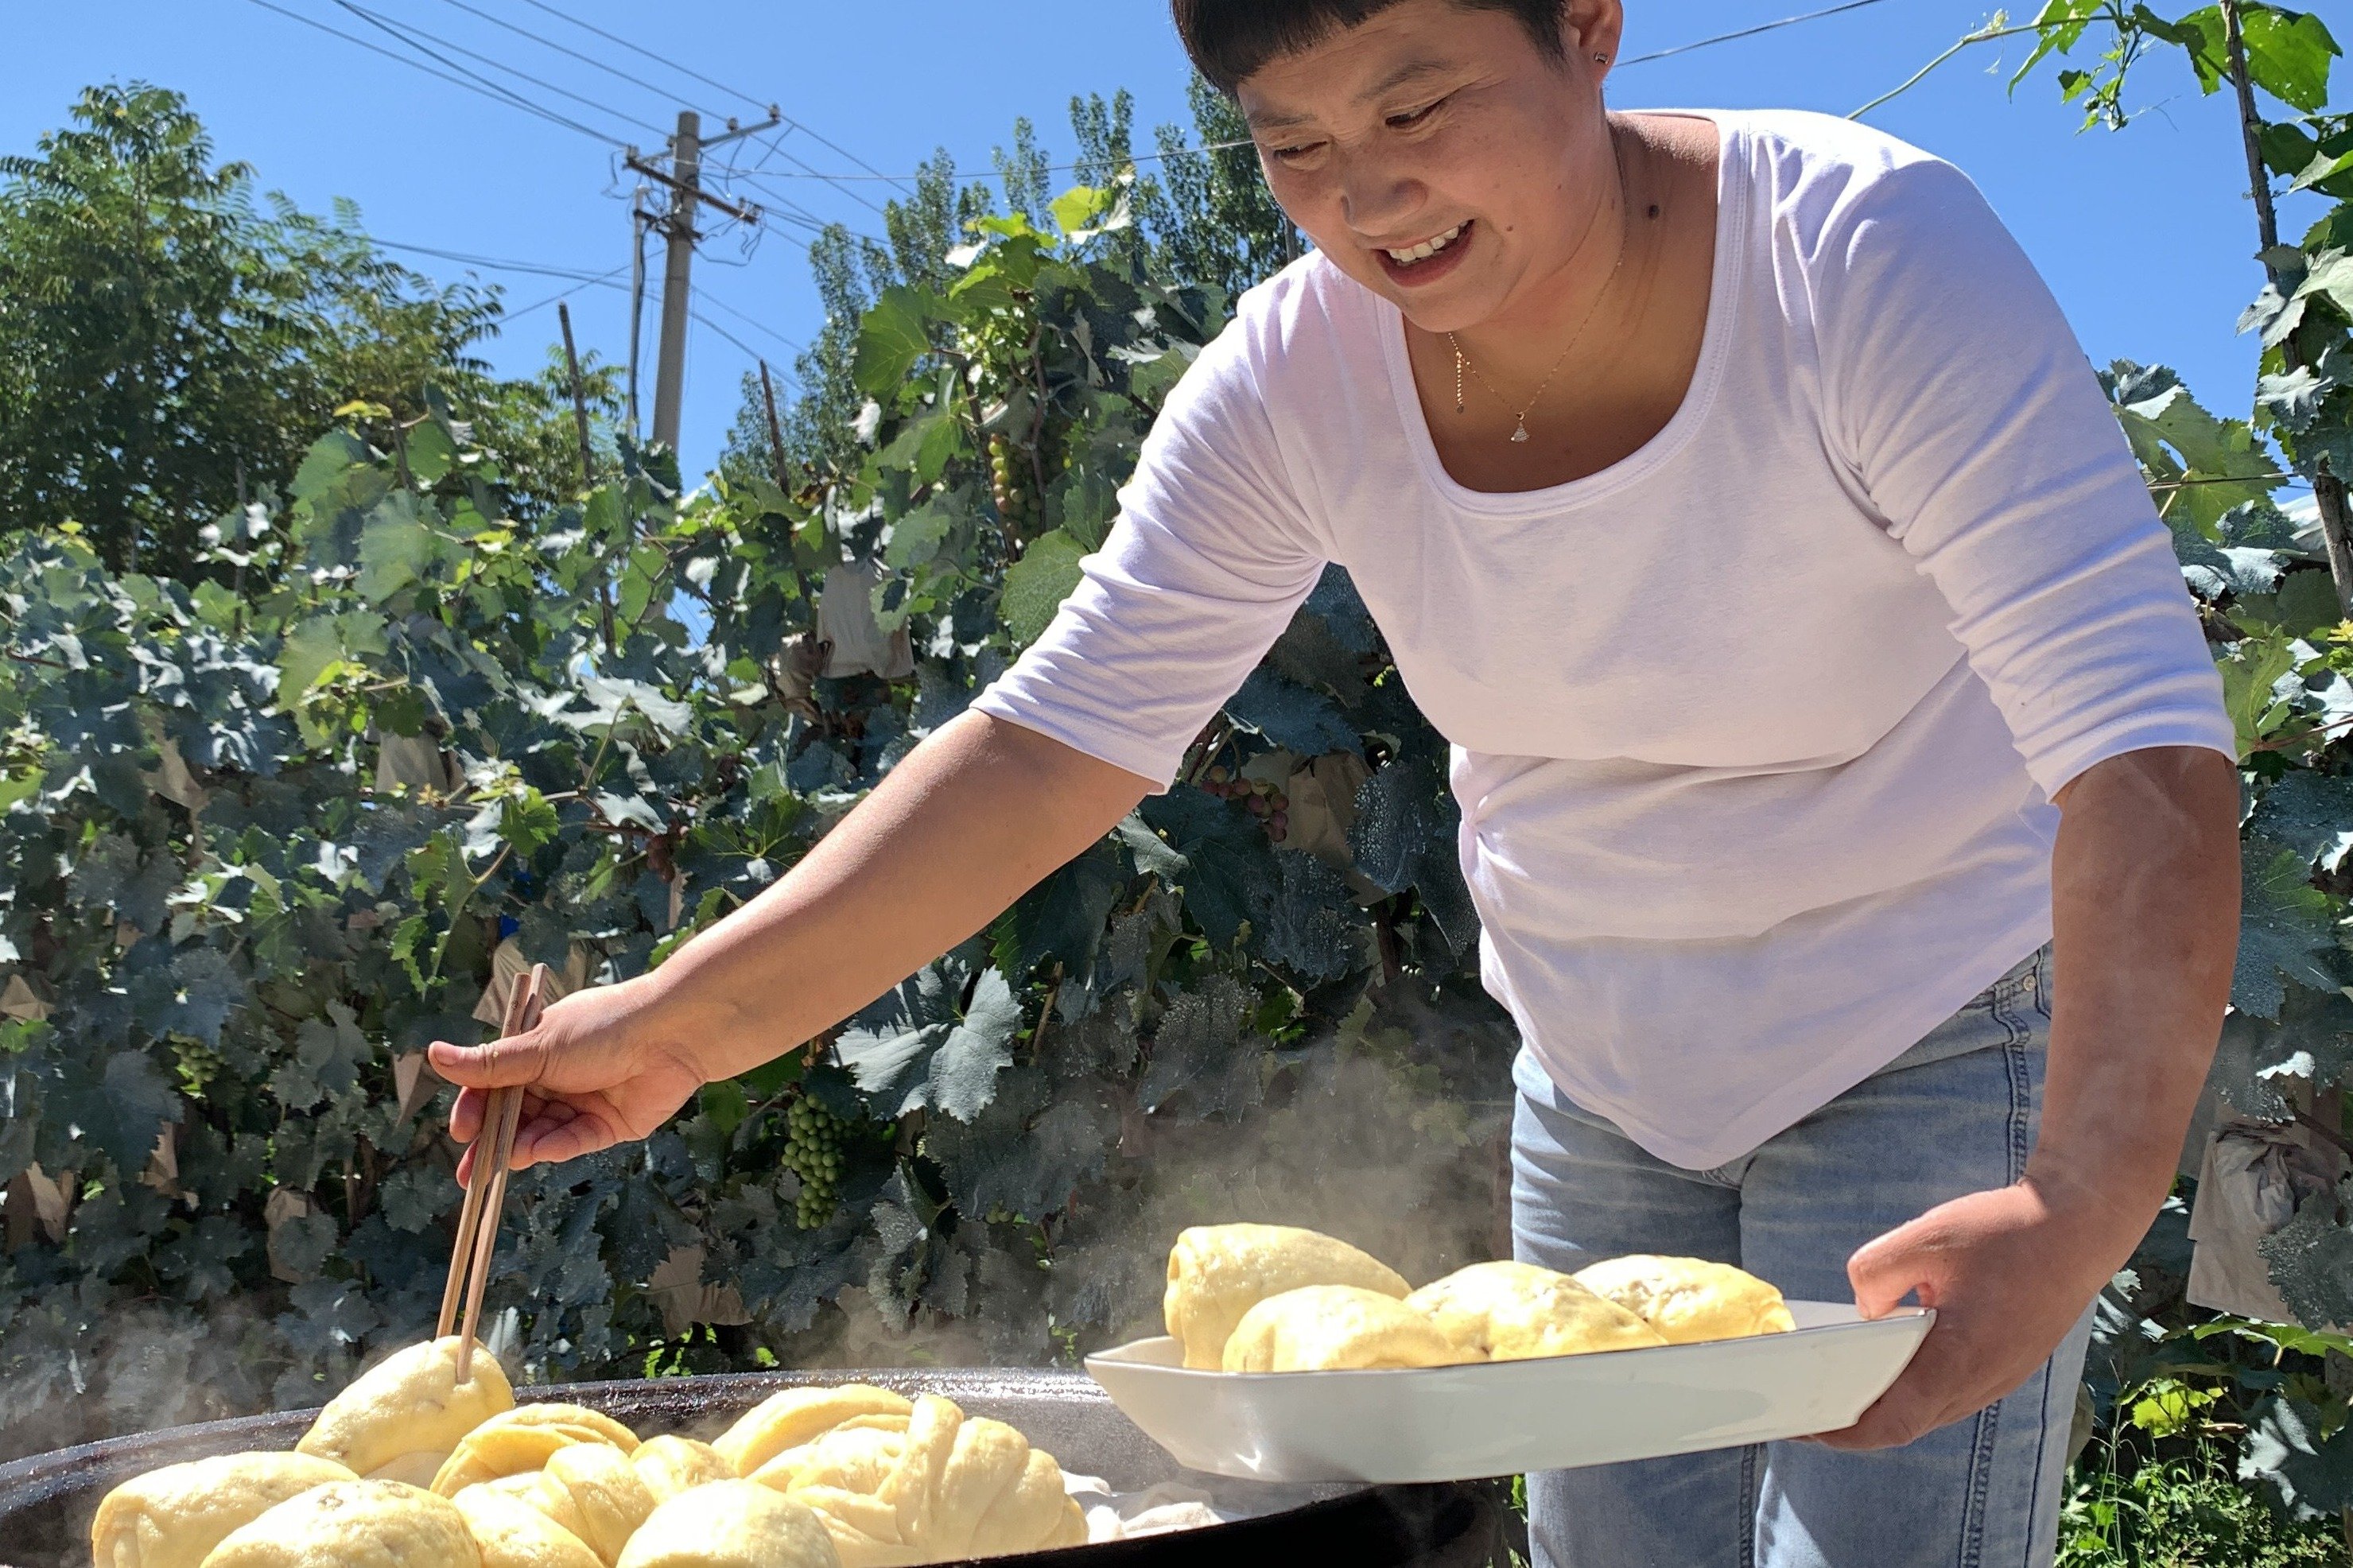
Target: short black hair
<point x="1229" y="39"/>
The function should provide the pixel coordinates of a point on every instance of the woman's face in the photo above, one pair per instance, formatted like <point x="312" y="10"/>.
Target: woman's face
<point x="1437" y="156"/>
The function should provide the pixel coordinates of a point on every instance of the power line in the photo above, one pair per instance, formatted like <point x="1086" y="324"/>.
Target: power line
<point x="548" y="43"/>
<point x="494" y="93"/>
<point x="578" y="274"/>
<point x="1756" y="31"/>
<point x="411" y="35"/>
<point x="708" y="81"/>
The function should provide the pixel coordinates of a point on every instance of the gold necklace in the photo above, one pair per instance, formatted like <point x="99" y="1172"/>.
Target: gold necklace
<point x="1462" y="361"/>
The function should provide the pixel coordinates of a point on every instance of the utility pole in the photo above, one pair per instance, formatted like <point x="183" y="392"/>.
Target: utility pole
<point x="684" y="179"/>
<point x="677" y="275"/>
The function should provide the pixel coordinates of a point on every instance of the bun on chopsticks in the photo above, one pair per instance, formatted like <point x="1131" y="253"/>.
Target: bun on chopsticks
<point x="403" y="1418"/>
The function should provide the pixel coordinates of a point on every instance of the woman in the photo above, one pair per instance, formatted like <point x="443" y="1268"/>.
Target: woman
<point x="1581" y="399"/>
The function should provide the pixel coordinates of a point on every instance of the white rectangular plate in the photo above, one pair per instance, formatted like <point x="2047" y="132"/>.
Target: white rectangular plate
<point x="1501" y="1418"/>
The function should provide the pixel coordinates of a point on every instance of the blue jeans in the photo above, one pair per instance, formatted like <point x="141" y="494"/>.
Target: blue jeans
<point x="1955" y="1114"/>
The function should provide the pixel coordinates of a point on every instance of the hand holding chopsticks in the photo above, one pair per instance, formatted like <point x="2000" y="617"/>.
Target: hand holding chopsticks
<point x="486" y="1183"/>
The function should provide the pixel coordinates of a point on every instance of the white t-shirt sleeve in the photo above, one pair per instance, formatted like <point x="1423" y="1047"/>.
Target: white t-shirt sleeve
<point x="1211" y="557"/>
<point x="1960" y="398"/>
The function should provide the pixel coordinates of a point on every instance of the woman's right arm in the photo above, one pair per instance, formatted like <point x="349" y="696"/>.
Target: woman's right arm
<point x="968" y="822"/>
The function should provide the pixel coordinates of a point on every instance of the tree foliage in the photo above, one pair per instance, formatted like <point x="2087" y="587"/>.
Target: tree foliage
<point x="169" y="344"/>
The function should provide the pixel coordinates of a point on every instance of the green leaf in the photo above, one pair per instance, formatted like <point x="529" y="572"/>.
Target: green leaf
<point x="396" y="548"/>
<point x="1312" y="924"/>
<point x="430" y="453"/>
<point x="2310" y="1042"/>
<point x="918" y="1047"/>
<point x="1230" y="875"/>
<point x="2251" y="673"/>
<point x="2309" y="813"/>
<point x="2288" y="56"/>
<point x="1202" y="1059"/>
<point x="892" y="337"/>
<point x="2311" y="1261"/>
<point x="319" y="643"/>
<point x="1293" y="717"/>
<point x="2308" y="1476"/>
<point x="1028" y="1152"/>
<point x="329" y="457"/>
<point x="1036" y="585"/>
<point x="917" y="537"/>
<point x="2285" y="925"/>
<point x="528" y="822"/>
<point x="118" y="1099"/>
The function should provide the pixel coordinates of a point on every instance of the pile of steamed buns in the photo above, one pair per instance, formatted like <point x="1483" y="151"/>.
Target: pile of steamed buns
<point x="409" y="1468"/>
<point x="1265" y="1297"/>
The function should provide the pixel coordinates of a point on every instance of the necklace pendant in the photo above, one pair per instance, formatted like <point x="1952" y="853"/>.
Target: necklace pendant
<point x="1521" y="434"/>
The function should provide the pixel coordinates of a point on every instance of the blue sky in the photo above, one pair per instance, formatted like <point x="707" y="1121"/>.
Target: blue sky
<point x="2146" y="236"/>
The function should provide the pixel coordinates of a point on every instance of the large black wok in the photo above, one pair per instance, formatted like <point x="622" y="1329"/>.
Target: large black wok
<point x="46" y="1501"/>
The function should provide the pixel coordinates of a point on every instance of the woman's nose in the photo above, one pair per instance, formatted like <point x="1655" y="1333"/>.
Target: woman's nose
<point x="1377" y="198"/>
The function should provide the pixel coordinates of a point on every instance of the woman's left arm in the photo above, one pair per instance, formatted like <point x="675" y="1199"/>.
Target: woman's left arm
<point x="2144" y="907"/>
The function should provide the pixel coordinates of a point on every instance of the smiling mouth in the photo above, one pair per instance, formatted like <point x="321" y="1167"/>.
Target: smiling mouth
<point x="1414" y="254"/>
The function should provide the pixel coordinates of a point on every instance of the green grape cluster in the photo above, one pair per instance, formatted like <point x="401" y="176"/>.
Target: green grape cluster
<point x="1007" y="468"/>
<point x="814" y="1150"/>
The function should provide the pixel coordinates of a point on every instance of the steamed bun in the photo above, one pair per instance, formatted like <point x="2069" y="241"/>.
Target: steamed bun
<point x="354" y="1524"/>
<point x="173" y="1517"/>
<point x="1688" y="1300"/>
<point x="523" y="1439"/>
<point x="789" y="1418"/>
<point x="1332" y="1327"/>
<point x="731" y="1524"/>
<point x="1517" y="1311"/>
<point x="406" y="1406"/>
<point x="670" y="1466"/>
<point x="1217" y="1273"/>
<point x="510" y="1533"/>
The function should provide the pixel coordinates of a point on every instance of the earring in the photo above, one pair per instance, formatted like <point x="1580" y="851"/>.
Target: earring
<point x="1601" y="60"/>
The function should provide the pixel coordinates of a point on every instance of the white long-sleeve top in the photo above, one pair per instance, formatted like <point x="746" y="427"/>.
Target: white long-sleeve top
<point x="1755" y="732"/>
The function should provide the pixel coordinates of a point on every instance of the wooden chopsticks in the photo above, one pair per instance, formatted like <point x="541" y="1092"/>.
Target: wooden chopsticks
<point x="486" y="1183"/>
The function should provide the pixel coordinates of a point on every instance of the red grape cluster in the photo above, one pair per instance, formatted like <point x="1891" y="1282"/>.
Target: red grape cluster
<point x="1264" y="801"/>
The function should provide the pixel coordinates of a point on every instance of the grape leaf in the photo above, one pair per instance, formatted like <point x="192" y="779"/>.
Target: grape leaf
<point x="1201" y="1054"/>
<point x="1230" y="875"/>
<point x="2286" y="925"/>
<point x="118" y="1099"/>
<point x="1036" y="585"/>
<point x="2309" y="813"/>
<point x="2311" y="1261"/>
<point x="1292" y="716"/>
<point x="2309" y="1476"/>
<point x="1028" y="1151"/>
<point x="1061" y="921"/>
<point x="2312" y="1041"/>
<point x="894" y="335"/>
<point x="920" y="1049"/>
<point x="1310" y="925"/>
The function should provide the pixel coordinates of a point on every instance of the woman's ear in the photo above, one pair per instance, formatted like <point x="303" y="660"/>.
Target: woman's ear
<point x="1591" y="32"/>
